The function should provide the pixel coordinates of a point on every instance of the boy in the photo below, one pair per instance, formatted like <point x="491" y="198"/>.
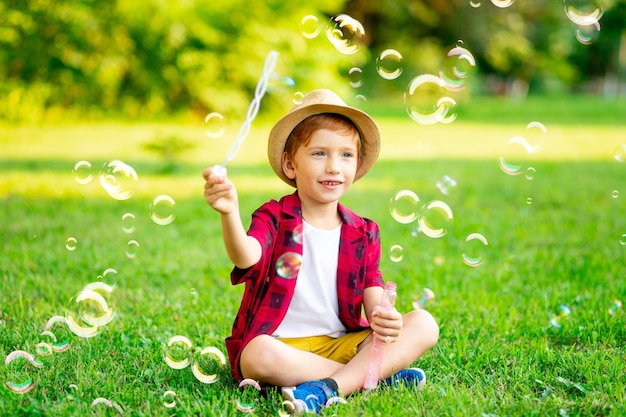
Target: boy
<point x="310" y="265"/>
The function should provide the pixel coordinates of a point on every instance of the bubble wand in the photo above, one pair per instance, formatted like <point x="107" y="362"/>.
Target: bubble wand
<point x="253" y="109"/>
<point x="372" y="374"/>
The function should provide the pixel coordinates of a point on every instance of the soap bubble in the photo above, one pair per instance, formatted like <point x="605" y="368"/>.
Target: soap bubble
<point x="502" y="3"/>
<point x="426" y="100"/>
<point x="355" y="76"/>
<point x="420" y="303"/>
<point x="297" y="97"/>
<point x="249" y="389"/>
<point x="615" y="194"/>
<point x="404" y="206"/>
<point x="345" y="33"/>
<point x="396" y="253"/>
<point x="558" y="319"/>
<point x="288" y="265"/>
<point x="530" y="173"/>
<point x="620" y="153"/>
<point x="435" y="219"/>
<point x="18" y="367"/>
<point x="475" y="4"/>
<point x="90" y="310"/>
<point x="615" y="307"/>
<point x="288" y="408"/>
<point x="57" y="330"/>
<point x="105" y="402"/>
<point x="162" y="210"/>
<point x="446" y="184"/>
<point x="622" y="240"/>
<point x="309" y="26"/>
<point x="513" y="152"/>
<point x="587" y="34"/>
<point x="458" y="65"/>
<point x="132" y="249"/>
<point x="128" y="222"/>
<point x="118" y="179"/>
<point x="70" y="243"/>
<point x="389" y="64"/>
<point x="214" y="127"/>
<point x="583" y="13"/>
<point x="210" y="358"/>
<point x="296" y="234"/>
<point x="177" y="352"/>
<point x="475" y="245"/>
<point x="82" y="172"/>
<point x="169" y="399"/>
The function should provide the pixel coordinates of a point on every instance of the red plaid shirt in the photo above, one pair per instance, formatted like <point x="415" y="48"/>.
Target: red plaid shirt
<point x="267" y="295"/>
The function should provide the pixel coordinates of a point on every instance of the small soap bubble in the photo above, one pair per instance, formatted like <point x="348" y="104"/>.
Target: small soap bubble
<point x="583" y="13"/>
<point x="404" y="206"/>
<point x="335" y="400"/>
<point x="310" y="26"/>
<point x="530" y="173"/>
<point x="434" y="219"/>
<point x="169" y="399"/>
<point x="420" y="303"/>
<point x="587" y="34"/>
<point x="529" y="201"/>
<point x="458" y="65"/>
<point x="472" y="256"/>
<point x="355" y="76"/>
<point x="389" y="64"/>
<point x="502" y="3"/>
<point x="118" y="179"/>
<point x="177" y="352"/>
<point x="103" y="402"/>
<point x="563" y="313"/>
<point x="345" y="33"/>
<point x="446" y="184"/>
<point x="162" y="210"/>
<point x="57" y="330"/>
<point x="622" y="240"/>
<point x="249" y="396"/>
<point x="288" y="265"/>
<point x="475" y="4"/>
<point x="615" y="307"/>
<point x="360" y="97"/>
<point x="209" y="361"/>
<point x="396" y="253"/>
<point x="70" y="243"/>
<point x="214" y="126"/>
<point x="620" y="153"/>
<point x="426" y="101"/>
<point x="82" y="172"/>
<point x="288" y="408"/>
<point x="516" y="149"/>
<point x="615" y="194"/>
<point x="132" y="249"/>
<point x="43" y="349"/>
<point x="296" y="234"/>
<point x="297" y="97"/>
<point x="18" y="371"/>
<point x="128" y="223"/>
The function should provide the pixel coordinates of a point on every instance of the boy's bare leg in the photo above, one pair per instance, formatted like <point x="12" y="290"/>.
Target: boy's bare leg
<point x="271" y="361"/>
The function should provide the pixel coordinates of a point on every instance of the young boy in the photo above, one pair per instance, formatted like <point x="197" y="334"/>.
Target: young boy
<point x="311" y="266"/>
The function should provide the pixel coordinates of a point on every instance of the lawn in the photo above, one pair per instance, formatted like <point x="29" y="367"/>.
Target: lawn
<point x="549" y="233"/>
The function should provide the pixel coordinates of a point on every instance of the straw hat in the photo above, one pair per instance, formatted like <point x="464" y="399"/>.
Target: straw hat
<point x="316" y="102"/>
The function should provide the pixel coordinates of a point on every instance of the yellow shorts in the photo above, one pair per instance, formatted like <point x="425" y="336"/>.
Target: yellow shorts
<point x="340" y="349"/>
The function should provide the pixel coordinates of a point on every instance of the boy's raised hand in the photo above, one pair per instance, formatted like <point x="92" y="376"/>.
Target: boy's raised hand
<point x="219" y="192"/>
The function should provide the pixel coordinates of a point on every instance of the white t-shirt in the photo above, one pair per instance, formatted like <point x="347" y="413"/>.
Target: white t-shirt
<point x="314" y="309"/>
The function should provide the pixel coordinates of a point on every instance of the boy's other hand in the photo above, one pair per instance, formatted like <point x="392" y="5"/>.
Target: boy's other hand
<point x="386" y="323"/>
<point x="219" y="192"/>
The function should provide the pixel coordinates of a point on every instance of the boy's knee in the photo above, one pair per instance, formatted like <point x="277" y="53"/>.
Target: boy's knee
<point x="257" y="356"/>
<point x="423" y="325"/>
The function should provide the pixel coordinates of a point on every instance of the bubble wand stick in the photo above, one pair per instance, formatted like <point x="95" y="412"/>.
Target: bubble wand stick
<point x="372" y="374"/>
<point x="253" y="109"/>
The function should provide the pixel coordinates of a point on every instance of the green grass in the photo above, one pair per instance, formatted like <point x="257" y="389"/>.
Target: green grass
<point x="498" y="355"/>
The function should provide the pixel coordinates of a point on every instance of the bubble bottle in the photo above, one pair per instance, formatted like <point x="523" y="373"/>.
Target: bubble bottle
<point x="387" y="301"/>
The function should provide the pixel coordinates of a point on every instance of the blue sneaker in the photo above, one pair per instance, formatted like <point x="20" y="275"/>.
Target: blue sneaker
<point x="410" y="377"/>
<point x="309" y="397"/>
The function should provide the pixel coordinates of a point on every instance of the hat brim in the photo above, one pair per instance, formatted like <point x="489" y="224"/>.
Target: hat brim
<point x="367" y="127"/>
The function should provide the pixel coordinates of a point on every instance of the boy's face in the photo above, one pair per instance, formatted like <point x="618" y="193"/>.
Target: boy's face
<point x="325" y="168"/>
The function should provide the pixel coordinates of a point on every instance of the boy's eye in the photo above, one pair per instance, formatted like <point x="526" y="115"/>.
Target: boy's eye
<point x="348" y="154"/>
<point x="318" y="153"/>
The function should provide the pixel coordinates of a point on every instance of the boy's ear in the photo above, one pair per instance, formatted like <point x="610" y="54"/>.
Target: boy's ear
<point x="288" y="167"/>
